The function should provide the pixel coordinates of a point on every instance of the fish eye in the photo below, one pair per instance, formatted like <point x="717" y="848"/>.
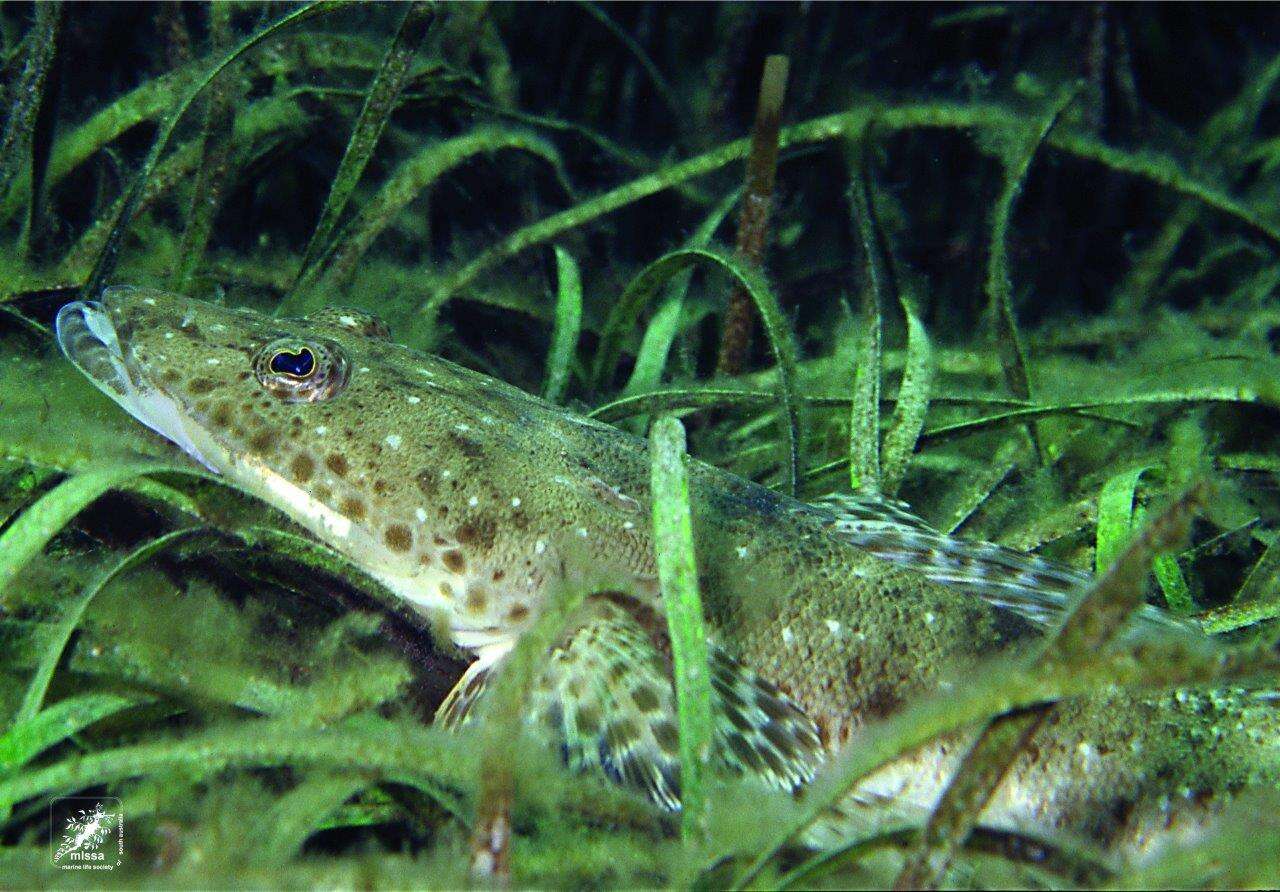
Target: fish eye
<point x="302" y="371"/>
<point x="298" y="365"/>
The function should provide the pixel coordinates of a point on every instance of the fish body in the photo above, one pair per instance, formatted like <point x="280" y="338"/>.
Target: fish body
<point x="473" y="501"/>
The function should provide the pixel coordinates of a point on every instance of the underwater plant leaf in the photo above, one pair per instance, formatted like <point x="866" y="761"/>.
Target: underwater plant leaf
<point x="645" y="285"/>
<point x="998" y="687"/>
<point x="864" y="417"/>
<point x="31" y="531"/>
<point x="303" y="811"/>
<point x="107" y="257"/>
<point x="503" y="717"/>
<point x="678" y="578"/>
<point x="651" y="70"/>
<point x="212" y="169"/>
<point x="999" y="284"/>
<point x="960" y="428"/>
<point x="430" y="760"/>
<point x="912" y="403"/>
<point x="966" y="795"/>
<point x="753" y="211"/>
<point x="17" y="136"/>
<point x="1094" y="621"/>
<point x="1229" y="126"/>
<point x="564" y="339"/>
<point x="1158" y="169"/>
<point x="655" y="345"/>
<point x="1177" y="594"/>
<point x="378" y="105"/>
<point x="27" y="737"/>
<point x="1115" y="517"/>
<point x="410" y="179"/>
<point x="1258" y="599"/>
<point x="65" y="626"/>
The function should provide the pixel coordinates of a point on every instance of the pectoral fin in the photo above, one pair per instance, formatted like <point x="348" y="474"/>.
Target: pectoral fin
<point x="606" y="698"/>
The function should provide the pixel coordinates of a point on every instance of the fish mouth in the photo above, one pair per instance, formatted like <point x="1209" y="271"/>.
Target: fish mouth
<point x="89" y="339"/>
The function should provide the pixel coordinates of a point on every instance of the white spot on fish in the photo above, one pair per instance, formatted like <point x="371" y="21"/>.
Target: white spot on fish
<point x="473" y="501"/>
<point x="515" y="503"/>
<point x="348" y="321"/>
<point x="539" y="547"/>
<point x="322" y="430"/>
<point x="832" y="626"/>
<point x="628" y="525"/>
<point x="582" y="531"/>
<point x="742" y="551"/>
<point x="486" y="419"/>
<point x="394" y="440"/>
<point x="364" y="368"/>
<point x="217" y="326"/>
<point x="414" y="400"/>
<point x="213" y="361"/>
<point x="420" y="514"/>
<point x="168" y="336"/>
<point x="187" y="319"/>
<point x="427" y="372"/>
<point x="929" y="618"/>
<point x="446" y="474"/>
<point x="461" y="427"/>
<point x="149" y="301"/>
<point x="788" y="636"/>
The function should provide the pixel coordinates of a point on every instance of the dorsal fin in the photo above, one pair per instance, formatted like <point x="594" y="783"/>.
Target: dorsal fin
<point x="872" y="510"/>
<point x="1030" y="586"/>
<point x="1026" y="584"/>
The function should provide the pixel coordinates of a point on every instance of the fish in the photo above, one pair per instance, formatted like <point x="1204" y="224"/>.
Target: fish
<point x="475" y="502"/>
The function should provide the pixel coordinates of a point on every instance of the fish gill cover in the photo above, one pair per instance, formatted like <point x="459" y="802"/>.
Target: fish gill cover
<point x="1013" y="264"/>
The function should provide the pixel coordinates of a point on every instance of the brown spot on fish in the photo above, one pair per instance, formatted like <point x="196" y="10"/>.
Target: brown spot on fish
<point x="337" y="464"/>
<point x="646" y="698"/>
<point x="398" y="537"/>
<point x="426" y="481"/>
<point x="381" y="487"/>
<point x="467" y="446"/>
<point x="477" y="599"/>
<point x="454" y="561"/>
<point x="353" y="508"/>
<point x="324" y="494"/>
<point x="518" y="613"/>
<point x="302" y="466"/>
<point x="222" y="415"/>
<point x="478" y="533"/>
<point x="263" y="440"/>
<point x="446" y="591"/>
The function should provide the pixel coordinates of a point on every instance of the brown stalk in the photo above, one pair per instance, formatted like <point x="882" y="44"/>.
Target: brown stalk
<point x="753" y="218"/>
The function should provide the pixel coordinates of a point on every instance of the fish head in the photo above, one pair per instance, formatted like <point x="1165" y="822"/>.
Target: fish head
<point x="431" y="477"/>
<point x="221" y="383"/>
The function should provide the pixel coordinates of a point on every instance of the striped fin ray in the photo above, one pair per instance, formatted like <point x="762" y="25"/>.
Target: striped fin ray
<point x="1034" y="588"/>
<point x="606" y="698"/>
<point x="1031" y="586"/>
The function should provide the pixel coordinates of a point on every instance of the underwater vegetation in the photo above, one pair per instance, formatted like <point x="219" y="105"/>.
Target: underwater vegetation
<point x="1013" y="264"/>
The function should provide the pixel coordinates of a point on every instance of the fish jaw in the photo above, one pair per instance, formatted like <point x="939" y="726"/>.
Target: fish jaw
<point x="87" y="336"/>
